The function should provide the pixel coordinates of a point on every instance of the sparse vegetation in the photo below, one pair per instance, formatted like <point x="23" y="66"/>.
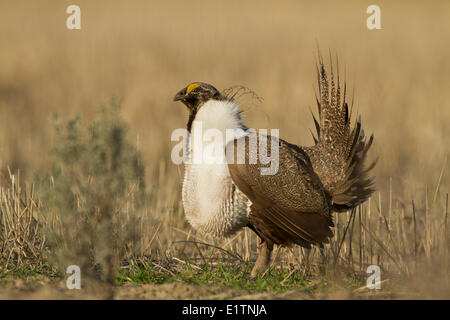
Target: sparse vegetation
<point x="92" y="200"/>
<point x="22" y="245"/>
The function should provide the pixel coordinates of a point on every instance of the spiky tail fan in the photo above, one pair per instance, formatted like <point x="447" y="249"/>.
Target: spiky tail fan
<point x="339" y="152"/>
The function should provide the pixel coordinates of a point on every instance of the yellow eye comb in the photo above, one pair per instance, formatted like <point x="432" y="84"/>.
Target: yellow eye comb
<point x="191" y="87"/>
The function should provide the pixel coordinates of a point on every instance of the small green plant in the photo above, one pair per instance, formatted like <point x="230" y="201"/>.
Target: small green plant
<point x="92" y="198"/>
<point x="228" y="275"/>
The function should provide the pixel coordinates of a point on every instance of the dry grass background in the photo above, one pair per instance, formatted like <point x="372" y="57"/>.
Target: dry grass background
<point x="145" y="51"/>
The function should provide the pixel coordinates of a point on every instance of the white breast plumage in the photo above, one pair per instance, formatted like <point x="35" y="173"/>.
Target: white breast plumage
<point x="212" y="203"/>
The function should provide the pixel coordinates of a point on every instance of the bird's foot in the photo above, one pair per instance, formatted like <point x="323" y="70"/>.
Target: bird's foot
<point x="263" y="260"/>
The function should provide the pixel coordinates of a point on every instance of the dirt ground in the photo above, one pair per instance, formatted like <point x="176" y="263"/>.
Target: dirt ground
<point x="20" y="289"/>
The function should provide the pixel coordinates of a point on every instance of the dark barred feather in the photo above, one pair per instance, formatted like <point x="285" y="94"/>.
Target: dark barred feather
<point x="339" y="154"/>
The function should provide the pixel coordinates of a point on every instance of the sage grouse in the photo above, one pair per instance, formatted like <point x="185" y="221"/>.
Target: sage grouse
<point x="293" y="206"/>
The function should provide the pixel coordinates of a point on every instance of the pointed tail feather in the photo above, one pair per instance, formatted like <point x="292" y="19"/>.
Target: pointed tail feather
<point x="339" y="154"/>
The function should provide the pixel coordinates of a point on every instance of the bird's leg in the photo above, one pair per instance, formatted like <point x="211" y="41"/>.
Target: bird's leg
<point x="262" y="262"/>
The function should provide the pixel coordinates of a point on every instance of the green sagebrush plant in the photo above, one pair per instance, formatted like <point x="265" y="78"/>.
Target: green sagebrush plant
<point x="94" y="195"/>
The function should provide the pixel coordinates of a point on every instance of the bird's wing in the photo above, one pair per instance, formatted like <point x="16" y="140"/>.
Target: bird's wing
<point x="290" y="206"/>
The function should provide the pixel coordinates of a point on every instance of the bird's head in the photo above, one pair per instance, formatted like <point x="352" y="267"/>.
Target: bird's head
<point x="196" y="94"/>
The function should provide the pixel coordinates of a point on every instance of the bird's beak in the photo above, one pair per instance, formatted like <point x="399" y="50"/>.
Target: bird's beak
<point x="181" y="95"/>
